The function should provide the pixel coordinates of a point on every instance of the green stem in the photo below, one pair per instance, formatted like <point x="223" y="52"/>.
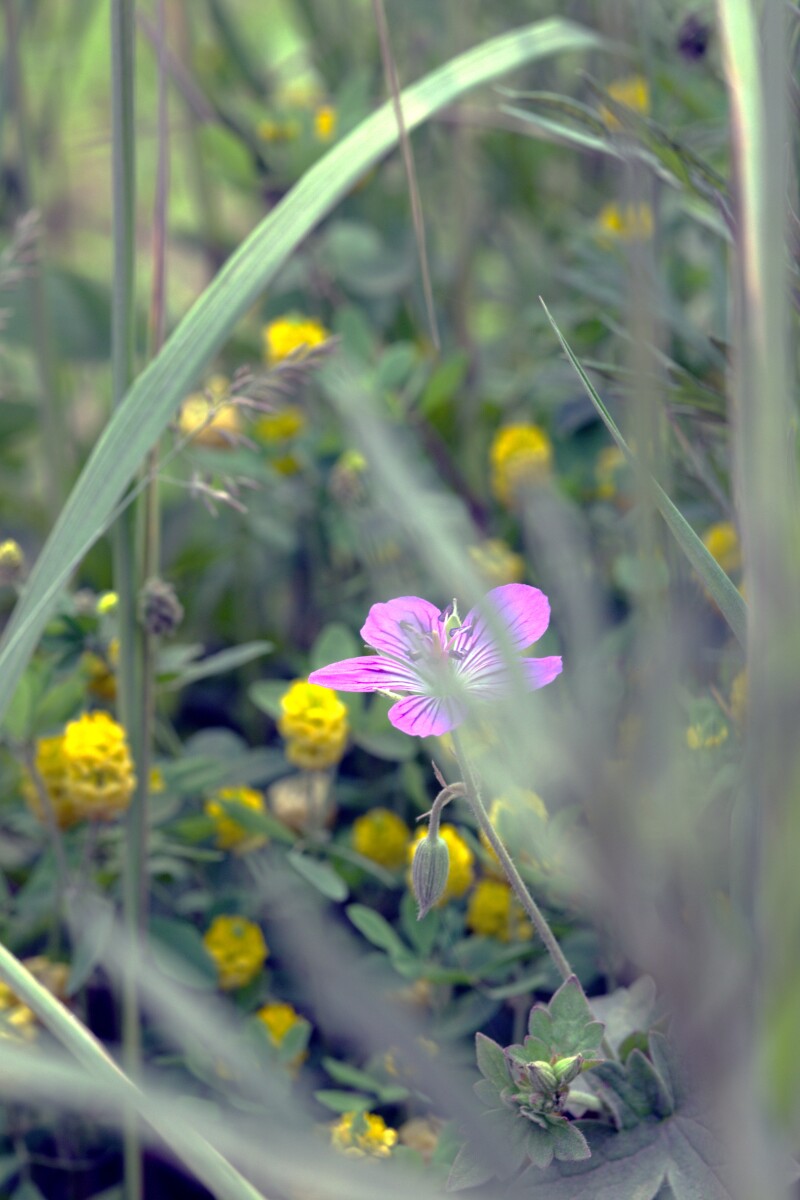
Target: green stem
<point x="123" y="341"/>
<point x="54" y="434"/>
<point x="537" y="917"/>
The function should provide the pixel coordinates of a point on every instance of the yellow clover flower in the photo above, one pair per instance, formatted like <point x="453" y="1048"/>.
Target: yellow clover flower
<point x="12" y="561"/>
<point x="282" y="425"/>
<point x="230" y="833"/>
<point x="493" y="911"/>
<point x="290" y="334"/>
<point x="363" y="1134"/>
<point x="520" y="455"/>
<point x="278" y="1018"/>
<point x="314" y="726"/>
<point x="722" y="542"/>
<point x="325" y="119"/>
<point x="633" y="92"/>
<point x="238" y="949"/>
<point x="87" y="772"/>
<point x="700" y="737"/>
<point x="625" y="223"/>
<point x="497" y="563"/>
<point x="383" y="837"/>
<point x="461" y="872"/>
<point x="207" y="418"/>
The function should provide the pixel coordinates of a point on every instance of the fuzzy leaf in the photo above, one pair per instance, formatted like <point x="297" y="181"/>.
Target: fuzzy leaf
<point x="492" y="1061"/>
<point x="468" y="1170"/>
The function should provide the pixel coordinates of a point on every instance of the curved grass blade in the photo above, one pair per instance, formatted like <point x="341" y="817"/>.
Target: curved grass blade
<point x="154" y="397"/>
<point x="727" y="598"/>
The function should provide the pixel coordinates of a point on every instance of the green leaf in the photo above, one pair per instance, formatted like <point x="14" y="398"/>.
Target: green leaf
<point x="725" y="595"/>
<point x="200" y="775"/>
<point x="469" y="1169"/>
<point x="60" y="704"/>
<point x="179" y="951"/>
<point x="91" y="921"/>
<point x="565" y="1026"/>
<point x="142" y="416"/>
<point x="334" y="643"/>
<point x="319" y="874"/>
<point x="378" y="931"/>
<point x="569" y="1144"/>
<point x="342" y="1102"/>
<point x="492" y="1062"/>
<point x="217" y="664"/>
<point x="389" y="744"/>
<point x="351" y="1076"/>
<point x="267" y="695"/>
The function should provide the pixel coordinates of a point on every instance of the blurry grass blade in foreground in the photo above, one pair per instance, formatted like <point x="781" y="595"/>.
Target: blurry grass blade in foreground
<point x="156" y="394"/>
<point x="730" y="603"/>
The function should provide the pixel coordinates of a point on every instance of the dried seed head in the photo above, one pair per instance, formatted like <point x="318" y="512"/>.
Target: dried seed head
<point x="160" y="610"/>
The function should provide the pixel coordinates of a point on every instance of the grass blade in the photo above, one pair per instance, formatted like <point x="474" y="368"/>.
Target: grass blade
<point x="727" y="598"/>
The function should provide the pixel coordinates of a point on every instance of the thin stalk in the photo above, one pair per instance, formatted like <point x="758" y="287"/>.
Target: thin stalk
<point x="537" y="917"/>
<point x="393" y="84"/>
<point x="150" y="505"/>
<point x="54" y="434"/>
<point x="126" y="576"/>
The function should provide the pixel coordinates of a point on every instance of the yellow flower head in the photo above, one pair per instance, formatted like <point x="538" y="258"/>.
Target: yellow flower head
<point x="325" y="119"/>
<point x="722" y="542"/>
<point x="238" y="949"/>
<point x="289" y="334"/>
<point x="282" y="425"/>
<point x="273" y="130"/>
<point x="383" y="837"/>
<point x="231" y="835"/>
<point x="17" y="1021"/>
<point x="87" y="772"/>
<point x="363" y="1134"/>
<point x="12" y="561"/>
<point x="207" y="418"/>
<point x="520" y="455"/>
<point x="278" y="1018"/>
<point x="633" y="92"/>
<point x="493" y="912"/>
<point x="706" y="737"/>
<point x="626" y="223"/>
<point x="107" y="603"/>
<point x="314" y="726"/>
<point x="497" y="563"/>
<point x="461" y="872"/>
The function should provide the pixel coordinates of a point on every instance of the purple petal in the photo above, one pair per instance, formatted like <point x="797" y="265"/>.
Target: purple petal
<point x="524" y="610"/>
<point x="425" y="716"/>
<point x="372" y="673"/>
<point x="382" y="629"/>
<point x="539" y="671"/>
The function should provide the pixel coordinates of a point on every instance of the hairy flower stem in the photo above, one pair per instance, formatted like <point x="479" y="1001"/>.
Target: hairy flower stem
<point x="537" y="917"/>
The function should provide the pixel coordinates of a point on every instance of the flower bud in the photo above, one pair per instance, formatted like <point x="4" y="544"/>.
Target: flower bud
<point x="567" y="1069"/>
<point x="12" y="562"/>
<point x="161" y="611"/>
<point x="542" y="1076"/>
<point x="429" y="870"/>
